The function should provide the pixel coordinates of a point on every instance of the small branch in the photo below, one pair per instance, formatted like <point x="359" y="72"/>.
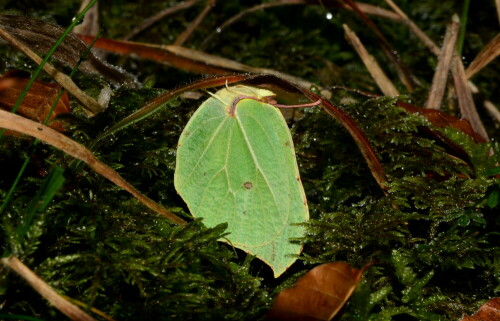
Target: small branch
<point x="160" y="15"/>
<point x="416" y="30"/>
<point x="371" y="64"/>
<point x="441" y="75"/>
<point x="401" y="69"/>
<point x="48" y="135"/>
<point x="90" y="24"/>
<point x="497" y="3"/>
<point x="493" y="110"/>
<point x="465" y="100"/>
<point x="484" y="57"/>
<point x="189" y="30"/>
<point x="89" y="103"/>
<point x="365" y="7"/>
<point x="66" y="307"/>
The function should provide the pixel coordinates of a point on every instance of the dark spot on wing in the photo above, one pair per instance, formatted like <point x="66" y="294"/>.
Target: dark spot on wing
<point x="248" y="185"/>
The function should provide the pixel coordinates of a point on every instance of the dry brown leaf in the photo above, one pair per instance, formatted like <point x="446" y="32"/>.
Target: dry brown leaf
<point x="490" y="311"/>
<point x="38" y="101"/>
<point x="318" y="295"/>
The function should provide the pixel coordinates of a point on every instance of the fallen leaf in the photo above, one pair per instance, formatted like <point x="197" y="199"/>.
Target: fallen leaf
<point x="318" y="295"/>
<point x="37" y="103"/>
<point x="490" y="311"/>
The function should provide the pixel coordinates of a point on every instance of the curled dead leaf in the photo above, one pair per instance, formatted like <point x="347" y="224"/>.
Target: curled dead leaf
<point x="318" y="295"/>
<point x="37" y="103"/>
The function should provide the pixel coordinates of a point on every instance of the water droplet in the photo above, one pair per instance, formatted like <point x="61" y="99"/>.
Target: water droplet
<point x="329" y="16"/>
<point x="218" y="30"/>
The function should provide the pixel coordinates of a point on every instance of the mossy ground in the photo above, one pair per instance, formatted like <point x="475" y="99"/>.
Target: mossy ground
<point x="434" y="235"/>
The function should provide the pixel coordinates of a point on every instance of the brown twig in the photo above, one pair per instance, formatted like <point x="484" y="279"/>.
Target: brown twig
<point x="443" y="67"/>
<point x="89" y="103"/>
<point x="493" y="110"/>
<point x="90" y="24"/>
<point x="464" y="95"/>
<point x="497" y="3"/>
<point x="365" y="7"/>
<point x="189" y="30"/>
<point x="383" y="82"/>
<point x="375" y="11"/>
<point x="48" y="135"/>
<point x="416" y="30"/>
<point x="243" y="13"/>
<point x="160" y="15"/>
<point x="462" y="87"/>
<point x="69" y="309"/>
<point x="402" y="70"/>
<point x="484" y="57"/>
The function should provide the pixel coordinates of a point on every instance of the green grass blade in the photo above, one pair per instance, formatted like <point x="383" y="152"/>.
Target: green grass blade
<point x="45" y="194"/>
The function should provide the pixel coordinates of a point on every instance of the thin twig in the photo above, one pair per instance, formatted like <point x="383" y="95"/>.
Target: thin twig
<point x="90" y="24"/>
<point x="365" y="7"/>
<point x="401" y="69"/>
<point x="189" y="30"/>
<point x="89" y="103"/>
<point x="371" y="64"/>
<point x="484" y="57"/>
<point x="443" y="67"/>
<point x="462" y="87"/>
<point x="416" y="30"/>
<point x="465" y="100"/>
<point x="69" y="309"/>
<point x="48" y="135"/>
<point x="497" y="3"/>
<point x="493" y="110"/>
<point x="160" y="15"/>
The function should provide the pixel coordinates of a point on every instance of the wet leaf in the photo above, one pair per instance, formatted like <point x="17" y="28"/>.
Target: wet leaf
<point x="236" y="164"/>
<point x="490" y="311"/>
<point x="37" y="103"/>
<point x="318" y="295"/>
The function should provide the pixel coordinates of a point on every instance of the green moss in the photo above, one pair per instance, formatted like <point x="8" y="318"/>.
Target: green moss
<point x="434" y="235"/>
